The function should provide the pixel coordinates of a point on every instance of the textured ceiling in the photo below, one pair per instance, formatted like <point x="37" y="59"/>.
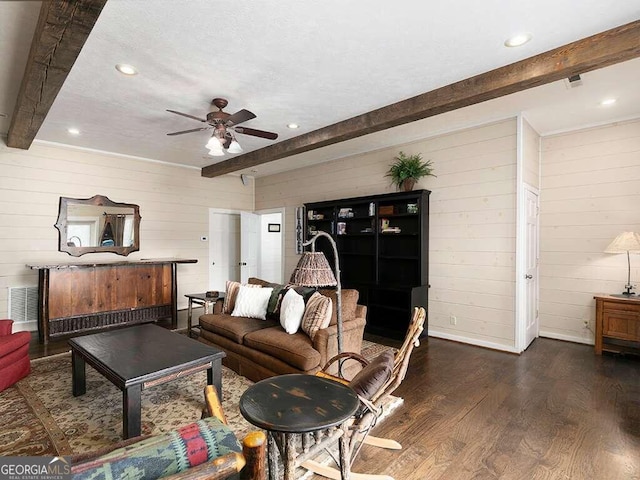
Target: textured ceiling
<point x="309" y="62"/>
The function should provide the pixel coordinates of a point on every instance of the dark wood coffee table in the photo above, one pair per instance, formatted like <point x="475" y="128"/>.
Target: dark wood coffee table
<point x="140" y="357"/>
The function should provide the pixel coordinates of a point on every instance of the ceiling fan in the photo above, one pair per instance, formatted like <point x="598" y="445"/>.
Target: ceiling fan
<point x="224" y="126"/>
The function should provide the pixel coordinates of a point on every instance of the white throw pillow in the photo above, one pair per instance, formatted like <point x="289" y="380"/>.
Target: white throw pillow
<point x="252" y="302"/>
<point x="291" y="311"/>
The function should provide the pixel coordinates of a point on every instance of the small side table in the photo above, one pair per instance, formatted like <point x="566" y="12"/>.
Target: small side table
<point x="202" y="300"/>
<point x="290" y="405"/>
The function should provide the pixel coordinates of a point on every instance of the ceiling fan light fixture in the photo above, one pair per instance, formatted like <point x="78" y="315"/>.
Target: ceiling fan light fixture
<point x="216" y="152"/>
<point x="213" y="143"/>
<point x="234" y="147"/>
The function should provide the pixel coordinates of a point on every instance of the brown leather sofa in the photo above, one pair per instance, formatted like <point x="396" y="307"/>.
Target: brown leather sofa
<point x="259" y="349"/>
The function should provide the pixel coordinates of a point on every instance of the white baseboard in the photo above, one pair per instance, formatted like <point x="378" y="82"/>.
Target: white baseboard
<point x="566" y="338"/>
<point x="473" y="341"/>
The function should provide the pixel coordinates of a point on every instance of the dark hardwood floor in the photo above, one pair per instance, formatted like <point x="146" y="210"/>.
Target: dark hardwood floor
<point x="555" y="412"/>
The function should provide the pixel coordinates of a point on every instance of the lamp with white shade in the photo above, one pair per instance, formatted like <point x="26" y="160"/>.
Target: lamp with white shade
<point x="626" y="242"/>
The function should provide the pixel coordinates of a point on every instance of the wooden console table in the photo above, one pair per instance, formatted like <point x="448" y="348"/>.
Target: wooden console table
<point x="617" y="324"/>
<point x="82" y="297"/>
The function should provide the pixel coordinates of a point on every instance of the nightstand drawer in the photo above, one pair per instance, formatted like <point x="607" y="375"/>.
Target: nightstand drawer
<point x="617" y="324"/>
<point x="621" y="324"/>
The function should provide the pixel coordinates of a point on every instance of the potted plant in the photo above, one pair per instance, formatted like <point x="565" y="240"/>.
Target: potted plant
<point x="408" y="169"/>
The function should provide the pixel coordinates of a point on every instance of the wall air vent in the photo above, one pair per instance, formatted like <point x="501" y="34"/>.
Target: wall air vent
<point x="573" y="81"/>
<point x="23" y="304"/>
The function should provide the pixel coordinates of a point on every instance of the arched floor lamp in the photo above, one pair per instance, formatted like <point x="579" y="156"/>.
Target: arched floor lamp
<point x="313" y="270"/>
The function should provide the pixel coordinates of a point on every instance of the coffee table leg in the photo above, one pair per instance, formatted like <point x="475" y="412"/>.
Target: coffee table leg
<point x="78" y="378"/>
<point x="214" y="376"/>
<point x="131" y="411"/>
<point x="189" y="314"/>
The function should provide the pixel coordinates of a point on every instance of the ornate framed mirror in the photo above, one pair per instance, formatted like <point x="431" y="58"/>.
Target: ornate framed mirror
<point x="97" y="224"/>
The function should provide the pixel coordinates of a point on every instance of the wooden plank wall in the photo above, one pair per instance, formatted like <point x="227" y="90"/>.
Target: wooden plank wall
<point x="472" y="240"/>
<point x="590" y="194"/>
<point x="174" y="204"/>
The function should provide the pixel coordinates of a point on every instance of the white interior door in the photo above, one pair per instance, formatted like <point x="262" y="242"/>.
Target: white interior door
<point x="531" y="268"/>
<point x="249" y="243"/>
<point x="224" y="249"/>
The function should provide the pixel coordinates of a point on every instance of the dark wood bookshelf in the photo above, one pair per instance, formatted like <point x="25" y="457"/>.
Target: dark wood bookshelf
<point x="389" y="269"/>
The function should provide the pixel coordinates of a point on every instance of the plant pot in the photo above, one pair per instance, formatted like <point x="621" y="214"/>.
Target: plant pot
<point x="408" y="184"/>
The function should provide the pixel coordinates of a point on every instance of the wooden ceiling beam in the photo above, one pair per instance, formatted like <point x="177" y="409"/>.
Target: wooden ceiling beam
<point x="604" y="49"/>
<point x="62" y="30"/>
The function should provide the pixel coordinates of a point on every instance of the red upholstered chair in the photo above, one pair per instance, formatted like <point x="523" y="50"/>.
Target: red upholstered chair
<point x="14" y="355"/>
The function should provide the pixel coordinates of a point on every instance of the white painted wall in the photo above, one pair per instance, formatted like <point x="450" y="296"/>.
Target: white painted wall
<point x="590" y="194"/>
<point x="173" y="200"/>
<point x="270" y="251"/>
<point x="472" y="264"/>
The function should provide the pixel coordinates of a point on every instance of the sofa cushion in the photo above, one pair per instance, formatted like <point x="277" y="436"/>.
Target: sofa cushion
<point x="231" y="293"/>
<point x="162" y="455"/>
<point x="296" y="350"/>
<point x="349" y="302"/>
<point x="252" y="302"/>
<point x="234" y="328"/>
<point x="317" y="314"/>
<point x="291" y="311"/>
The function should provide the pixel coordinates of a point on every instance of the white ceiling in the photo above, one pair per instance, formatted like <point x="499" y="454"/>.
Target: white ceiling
<point x="309" y="62"/>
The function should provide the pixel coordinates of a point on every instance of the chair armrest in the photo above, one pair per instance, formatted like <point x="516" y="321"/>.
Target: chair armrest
<point x="5" y="327"/>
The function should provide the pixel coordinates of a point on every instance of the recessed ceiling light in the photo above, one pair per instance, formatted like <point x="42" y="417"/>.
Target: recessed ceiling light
<point x="126" y="69"/>
<point x="293" y="125"/>
<point x="73" y="131"/>
<point x="518" y="40"/>
<point x="608" y="102"/>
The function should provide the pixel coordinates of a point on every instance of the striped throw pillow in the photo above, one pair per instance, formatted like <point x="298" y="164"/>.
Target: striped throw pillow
<point x="317" y="314"/>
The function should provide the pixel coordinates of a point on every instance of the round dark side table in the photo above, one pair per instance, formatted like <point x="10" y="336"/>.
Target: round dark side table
<point x="289" y="405"/>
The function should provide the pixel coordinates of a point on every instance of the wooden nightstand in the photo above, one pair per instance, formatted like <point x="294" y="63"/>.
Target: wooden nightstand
<point x="617" y="324"/>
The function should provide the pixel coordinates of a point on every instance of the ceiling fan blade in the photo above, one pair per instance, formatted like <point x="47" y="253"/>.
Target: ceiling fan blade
<point x="189" y="131"/>
<point x="256" y="133"/>
<point x="239" y="117"/>
<point x="187" y="115"/>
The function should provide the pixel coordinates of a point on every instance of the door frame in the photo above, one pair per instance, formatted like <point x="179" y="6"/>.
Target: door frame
<point x="283" y="231"/>
<point x="520" y="321"/>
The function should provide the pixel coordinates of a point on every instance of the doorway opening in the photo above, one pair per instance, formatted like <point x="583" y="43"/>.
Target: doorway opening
<point x="243" y="245"/>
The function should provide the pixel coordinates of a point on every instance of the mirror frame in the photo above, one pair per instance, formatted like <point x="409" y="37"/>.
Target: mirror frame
<point x="98" y="201"/>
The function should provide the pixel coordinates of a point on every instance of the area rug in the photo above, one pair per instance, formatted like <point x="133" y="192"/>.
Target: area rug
<point x="40" y="416"/>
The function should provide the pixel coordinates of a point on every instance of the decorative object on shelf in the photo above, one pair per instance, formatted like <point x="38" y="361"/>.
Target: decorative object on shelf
<point x="408" y="169"/>
<point x="345" y="213"/>
<point x="391" y="230"/>
<point x="384" y="224"/>
<point x="412" y="208"/>
<point x="273" y="227"/>
<point x="626" y="242"/>
<point x="342" y="228"/>
<point x="372" y="209"/>
<point x="385" y="210"/>
<point x="300" y="229"/>
<point x="313" y="270"/>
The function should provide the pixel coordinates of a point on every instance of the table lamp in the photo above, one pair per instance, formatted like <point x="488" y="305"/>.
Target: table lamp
<point x="626" y="242"/>
<point x="313" y="270"/>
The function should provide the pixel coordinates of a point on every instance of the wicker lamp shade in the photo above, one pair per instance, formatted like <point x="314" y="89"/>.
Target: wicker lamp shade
<point x="313" y="270"/>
